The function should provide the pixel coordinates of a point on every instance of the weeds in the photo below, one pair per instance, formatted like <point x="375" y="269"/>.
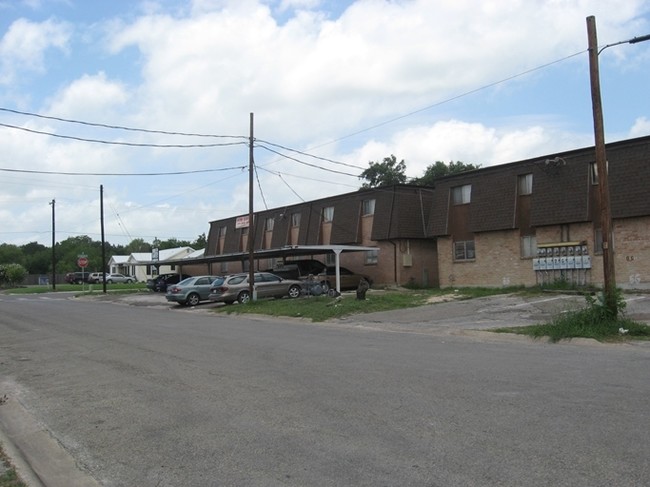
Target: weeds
<point x="595" y="321"/>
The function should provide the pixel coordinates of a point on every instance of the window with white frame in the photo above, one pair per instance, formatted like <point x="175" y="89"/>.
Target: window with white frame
<point x="371" y="256"/>
<point x="464" y="250"/>
<point x="224" y="267"/>
<point x="528" y="247"/>
<point x="295" y="219"/>
<point x="368" y="207"/>
<point x="222" y="231"/>
<point x="330" y="259"/>
<point x="269" y="224"/>
<point x="461" y="195"/>
<point x="525" y="185"/>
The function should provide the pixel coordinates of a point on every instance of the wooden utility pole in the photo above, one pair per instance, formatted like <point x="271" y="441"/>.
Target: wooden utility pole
<point x="251" y="245"/>
<point x="101" y="219"/>
<point x="53" y="249"/>
<point x="609" y="275"/>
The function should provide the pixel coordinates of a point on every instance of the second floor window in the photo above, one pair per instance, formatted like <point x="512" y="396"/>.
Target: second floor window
<point x="525" y="184"/>
<point x="461" y="195"/>
<point x="328" y="214"/>
<point x="222" y="232"/>
<point x="368" y="207"/>
<point x="295" y="219"/>
<point x="269" y="224"/>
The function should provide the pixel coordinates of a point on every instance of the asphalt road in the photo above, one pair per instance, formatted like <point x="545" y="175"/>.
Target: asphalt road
<point x="147" y="395"/>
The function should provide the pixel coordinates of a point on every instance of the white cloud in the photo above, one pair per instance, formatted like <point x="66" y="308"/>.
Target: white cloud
<point x="24" y="45"/>
<point x="311" y="78"/>
<point x="641" y="127"/>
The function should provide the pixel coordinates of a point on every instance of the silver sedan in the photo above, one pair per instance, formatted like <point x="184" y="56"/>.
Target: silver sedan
<point x="266" y="285"/>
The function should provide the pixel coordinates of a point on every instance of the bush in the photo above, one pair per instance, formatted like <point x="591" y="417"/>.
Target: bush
<point x="12" y="274"/>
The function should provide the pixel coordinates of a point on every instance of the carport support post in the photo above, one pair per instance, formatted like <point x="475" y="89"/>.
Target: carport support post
<point x="337" y="256"/>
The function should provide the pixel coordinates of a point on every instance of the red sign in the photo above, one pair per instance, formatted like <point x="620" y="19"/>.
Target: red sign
<point x="82" y="261"/>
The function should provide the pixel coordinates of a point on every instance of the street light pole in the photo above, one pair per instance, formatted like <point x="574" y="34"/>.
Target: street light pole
<point x="609" y="274"/>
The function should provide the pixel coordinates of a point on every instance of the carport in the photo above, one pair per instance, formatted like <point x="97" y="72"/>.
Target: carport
<point x="283" y="252"/>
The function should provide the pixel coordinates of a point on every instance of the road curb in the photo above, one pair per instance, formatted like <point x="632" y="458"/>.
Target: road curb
<point x="39" y="459"/>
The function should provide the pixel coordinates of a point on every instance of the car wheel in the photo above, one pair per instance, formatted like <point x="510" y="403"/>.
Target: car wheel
<point x="294" y="291"/>
<point x="129" y="281"/>
<point x="108" y="281"/>
<point x="326" y="286"/>
<point x="193" y="299"/>
<point x="244" y="297"/>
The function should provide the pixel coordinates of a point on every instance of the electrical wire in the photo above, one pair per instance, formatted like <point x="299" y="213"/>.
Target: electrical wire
<point x="174" y="173"/>
<point x="119" y="127"/>
<point x="113" y="142"/>
<point x="305" y="163"/>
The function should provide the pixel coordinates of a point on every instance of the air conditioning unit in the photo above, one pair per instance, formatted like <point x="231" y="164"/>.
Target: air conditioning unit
<point x="407" y="260"/>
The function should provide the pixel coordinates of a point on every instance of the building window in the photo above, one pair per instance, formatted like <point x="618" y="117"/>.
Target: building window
<point x="295" y="219"/>
<point x="222" y="232"/>
<point x="564" y="233"/>
<point x="461" y="195"/>
<point x="464" y="250"/>
<point x="269" y="224"/>
<point x="598" y="241"/>
<point x="593" y="171"/>
<point x="371" y="257"/>
<point x="328" y="214"/>
<point x="224" y="267"/>
<point x="525" y="186"/>
<point x="368" y="207"/>
<point x="528" y="247"/>
<point x="330" y="259"/>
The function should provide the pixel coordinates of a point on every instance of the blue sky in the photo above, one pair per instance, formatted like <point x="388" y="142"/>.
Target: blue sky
<point x="350" y="81"/>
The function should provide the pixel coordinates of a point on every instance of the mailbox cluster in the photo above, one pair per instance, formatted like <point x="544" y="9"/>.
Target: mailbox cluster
<point x="563" y="261"/>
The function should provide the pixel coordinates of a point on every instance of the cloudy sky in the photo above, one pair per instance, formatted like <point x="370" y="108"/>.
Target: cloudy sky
<point x="332" y="85"/>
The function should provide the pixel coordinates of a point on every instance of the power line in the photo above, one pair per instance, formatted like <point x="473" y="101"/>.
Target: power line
<point x="174" y="173"/>
<point x="118" y="127"/>
<point x="112" y="142"/>
<point x="305" y="163"/>
<point x="310" y="155"/>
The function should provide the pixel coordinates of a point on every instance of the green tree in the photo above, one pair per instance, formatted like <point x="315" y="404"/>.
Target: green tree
<point x="137" y="245"/>
<point x="201" y="242"/>
<point x="385" y="173"/>
<point x="38" y="258"/>
<point x="10" y="253"/>
<point x="439" y="169"/>
<point x="12" y="274"/>
<point x="173" y="243"/>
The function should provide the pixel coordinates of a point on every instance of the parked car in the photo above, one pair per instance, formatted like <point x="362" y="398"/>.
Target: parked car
<point x="190" y="291"/>
<point x="163" y="281"/>
<point x="298" y="269"/>
<point x="94" y="277"/>
<point x="236" y="287"/>
<point x="76" y="277"/>
<point x="349" y="279"/>
<point x="118" y="278"/>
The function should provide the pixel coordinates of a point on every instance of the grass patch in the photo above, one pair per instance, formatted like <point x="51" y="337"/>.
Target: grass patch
<point x="593" y="321"/>
<point x="8" y="475"/>
<point x="79" y="288"/>
<point x="322" y="308"/>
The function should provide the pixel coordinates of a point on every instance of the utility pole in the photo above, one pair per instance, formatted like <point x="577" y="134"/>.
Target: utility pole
<point x="53" y="250"/>
<point x="609" y="274"/>
<point x="101" y="219"/>
<point x="251" y="245"/>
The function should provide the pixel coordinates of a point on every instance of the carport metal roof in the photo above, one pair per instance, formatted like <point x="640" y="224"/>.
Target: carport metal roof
<point x="286" y="251"/>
